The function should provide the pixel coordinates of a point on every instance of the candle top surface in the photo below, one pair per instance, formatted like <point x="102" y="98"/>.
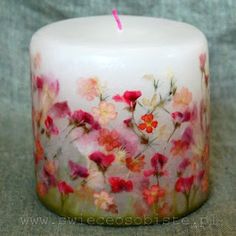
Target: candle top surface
<point x="102" y="31"/>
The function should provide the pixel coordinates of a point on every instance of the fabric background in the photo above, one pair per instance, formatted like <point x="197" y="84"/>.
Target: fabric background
<point x="20" y="211"/>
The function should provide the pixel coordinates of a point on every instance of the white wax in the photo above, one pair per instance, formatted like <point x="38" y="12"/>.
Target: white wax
<point x="93" y="46"/>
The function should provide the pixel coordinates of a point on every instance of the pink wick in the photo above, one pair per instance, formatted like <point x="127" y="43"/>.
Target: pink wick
<point x="117" y="19"/>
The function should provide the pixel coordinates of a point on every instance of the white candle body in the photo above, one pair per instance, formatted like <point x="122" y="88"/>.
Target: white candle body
<point x="154" y="136"/>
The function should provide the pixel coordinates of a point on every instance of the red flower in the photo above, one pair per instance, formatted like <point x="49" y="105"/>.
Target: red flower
<point x="135" y="164"/>
<point x="129" y="97"/>
<point x="50" y="126"/>
<point x="81" y="118"/>
<point x="119" y="185"/>
<point x="77" y="170"/>
<point x="64" y="188"/>
<point x="128" y="122"/>
<point x="153" y="194"/>
<point x="60" y="110"/>
<point x="158" y="162"/>
<point x="109" y="139"/>
<point x="39" y="83"/>
<point x="149" y="124"/>
<point x="102" y="160"/>
<point x="184" y="185"/>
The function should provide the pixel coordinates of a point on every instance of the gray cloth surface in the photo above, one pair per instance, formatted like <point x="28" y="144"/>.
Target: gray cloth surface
<point x="20" y="211"/>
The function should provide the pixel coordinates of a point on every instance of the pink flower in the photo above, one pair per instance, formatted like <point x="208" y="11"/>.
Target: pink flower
<point x="103" y="200"/>
<point x="109" y="139"/>
<point x="102" y="160"/>
<point x="158" y="162"/>
<point x="47" y="87"/>
<point x="83" y="119"/>
<point x="183" y="165"/>
<point x="118" y="185"/>
<point x="182" y="98"/>
<point x="202" y="60"/>
<point x="47" y="91"/>
<point x="64" y="188"/>
<point x="180" y="117"/>
<point x="128" y="97"/>
<point x="88" y="88"/>
<point x="49" y="173"/>
<point x="60" y="110"/>
<point x="51" y="128"/>
<point x="187" y="115"/>
<point x="129" y="141"/>
<point x="77" y="170"/>
<point x="188" y="135"/>
<point x="184" y="185"/>
<point x="105" y="112"/>
<point x="153" y="194"/>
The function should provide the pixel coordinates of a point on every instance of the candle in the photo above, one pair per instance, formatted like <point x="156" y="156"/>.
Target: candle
<point x="120" y="118"/>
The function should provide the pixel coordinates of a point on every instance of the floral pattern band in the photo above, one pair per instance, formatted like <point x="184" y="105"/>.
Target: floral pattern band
<point x="127" y="154"/>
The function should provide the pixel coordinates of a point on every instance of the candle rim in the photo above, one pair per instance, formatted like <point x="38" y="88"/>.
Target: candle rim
<point x="44" y="33"/>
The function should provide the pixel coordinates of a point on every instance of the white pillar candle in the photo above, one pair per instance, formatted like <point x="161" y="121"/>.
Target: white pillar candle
<point x="120" y="118"/>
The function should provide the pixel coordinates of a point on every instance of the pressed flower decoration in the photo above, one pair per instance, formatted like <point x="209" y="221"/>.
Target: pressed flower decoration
<point x="122" y="153"/>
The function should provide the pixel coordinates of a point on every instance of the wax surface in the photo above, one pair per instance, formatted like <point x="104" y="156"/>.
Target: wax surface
<point x="137" y="32"/>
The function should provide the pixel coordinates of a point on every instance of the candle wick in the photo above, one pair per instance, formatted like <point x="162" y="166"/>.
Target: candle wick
<point x="117" y="19"/>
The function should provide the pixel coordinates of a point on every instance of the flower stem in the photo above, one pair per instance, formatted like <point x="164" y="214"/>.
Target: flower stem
<point x="146" y="147"/>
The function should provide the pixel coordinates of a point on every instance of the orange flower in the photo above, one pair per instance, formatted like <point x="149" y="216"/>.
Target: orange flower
<point x="182" y="98"/>
<point x="105" y="112"/>
<point x="135" y="164"/>
<point x="89" y="88"/>
<point x="109" y="139"/>
<point x="179" y="147"/>
<point x="41" y="189"/>
<point x="50" y="167"/>
<point x="149" y="123"/>
<point x="165" y="210"/>
<point x="204" y="184"/>
<point x="153" y="194"/>
<point x="39" y="151"/>
<point x="37" y="60"/>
